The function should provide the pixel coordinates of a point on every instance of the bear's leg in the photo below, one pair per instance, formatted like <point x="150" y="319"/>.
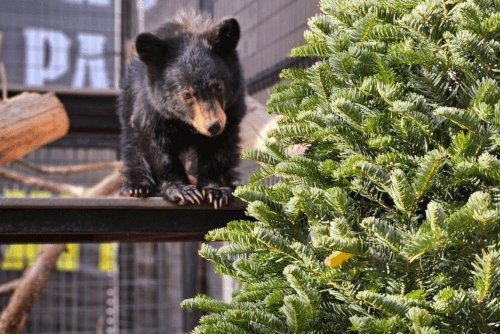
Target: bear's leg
<point x="139" y="181"/>
<point x="175" y="186"/>
<point x="216" y="175"/>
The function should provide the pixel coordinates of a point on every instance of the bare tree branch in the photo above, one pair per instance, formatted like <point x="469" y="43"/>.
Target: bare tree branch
<point x="9" y="287"/>
<point x="106" y="186"/>
<point x="41" y="183"/>
<point x="67" y="170"/>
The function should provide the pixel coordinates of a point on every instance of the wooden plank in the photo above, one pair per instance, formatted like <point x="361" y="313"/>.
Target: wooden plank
<point x="29" y="121"/>
<point x="53" y="220"/>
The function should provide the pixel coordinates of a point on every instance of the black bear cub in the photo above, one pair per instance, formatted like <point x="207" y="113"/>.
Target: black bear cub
<point x="184" y="90"/>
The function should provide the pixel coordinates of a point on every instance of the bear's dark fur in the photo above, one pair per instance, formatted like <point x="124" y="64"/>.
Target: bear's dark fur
<point x="184" y="90"/>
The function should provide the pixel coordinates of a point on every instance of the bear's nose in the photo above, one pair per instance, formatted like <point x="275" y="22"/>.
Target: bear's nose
<point x="213" y="126"/>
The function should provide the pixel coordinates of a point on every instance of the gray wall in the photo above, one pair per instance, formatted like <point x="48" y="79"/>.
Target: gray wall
<point x="270" y="28"/>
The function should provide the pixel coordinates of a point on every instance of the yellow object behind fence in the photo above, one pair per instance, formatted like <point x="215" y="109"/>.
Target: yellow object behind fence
<point x="70" y="259"/>
<point x="19" y="256"/>
<point x="107" y="257"/>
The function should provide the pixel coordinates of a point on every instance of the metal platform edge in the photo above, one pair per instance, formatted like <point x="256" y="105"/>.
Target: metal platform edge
<point x="88" y="220"/>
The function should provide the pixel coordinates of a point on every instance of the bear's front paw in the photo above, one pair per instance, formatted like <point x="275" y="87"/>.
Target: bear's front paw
<point x="217" y="195"/>
<point x="136" y="190"/>
<point x="181" y="193"/>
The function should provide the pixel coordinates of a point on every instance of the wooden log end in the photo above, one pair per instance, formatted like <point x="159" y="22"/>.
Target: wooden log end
<point x="29" y="121"/>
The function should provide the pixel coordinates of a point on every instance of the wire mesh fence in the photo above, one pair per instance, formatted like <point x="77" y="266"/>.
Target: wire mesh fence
<point x="110" y="288"/>
<point x="61" y="42"/>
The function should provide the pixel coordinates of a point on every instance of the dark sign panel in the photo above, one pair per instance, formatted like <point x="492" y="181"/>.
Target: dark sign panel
<point x="61" y="42"/>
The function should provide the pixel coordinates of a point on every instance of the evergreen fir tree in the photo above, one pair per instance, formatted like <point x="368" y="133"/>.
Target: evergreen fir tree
<point x="398" y="189"/>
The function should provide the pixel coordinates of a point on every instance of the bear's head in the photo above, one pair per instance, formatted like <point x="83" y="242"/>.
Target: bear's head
<point x="193" y="73"/>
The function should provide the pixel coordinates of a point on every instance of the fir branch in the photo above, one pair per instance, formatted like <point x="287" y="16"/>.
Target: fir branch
<point x="311" y="50"/>
<point x="259" y="156"/>
<point x="339" y="202"/>
<point x="274" y="243"/>
<point x="353" y="246"/>
<point x="376" y="173"/>
<point x="263" y="213"/>
<point x="235" y="249"/>
<point x="261" y="174"/>
<point x="486" y="274"/>
<point x="209" y="304"/>
<point x="261" y="319"/>
<point x="258" y="291"/>
<point x="391" y="236"/>
<point x="486" y="281"/>
<point x="371" y="191"/>
<point x="422" y="320"/>
<point x="295" y="311"/>
<point x="393" y="305"/>
<point x="294" y="74"/>
<point x="216" y="323"/>
<point x="476" y="46"/>
<point x="401" y="193"/>
<point x="433" y="85"/>
<point x="350" y="112"/>
<point x="430" y="164"/>
<point x="462" y="118"/>
<point x="435" y="216"/>
<point x="300" y="282"/>
<point x="409" y="111"/>
<point x="457" y="222"/>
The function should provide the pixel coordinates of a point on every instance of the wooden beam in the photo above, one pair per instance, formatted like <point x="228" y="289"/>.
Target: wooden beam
<point x="89" y="220"/>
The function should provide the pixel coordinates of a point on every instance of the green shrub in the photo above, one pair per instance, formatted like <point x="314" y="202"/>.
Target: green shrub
<point x="400" y="178"/>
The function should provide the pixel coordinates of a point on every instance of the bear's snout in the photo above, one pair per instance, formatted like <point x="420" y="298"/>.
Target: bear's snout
<point x="213" y="126"/>
<point x="208" y="117"/>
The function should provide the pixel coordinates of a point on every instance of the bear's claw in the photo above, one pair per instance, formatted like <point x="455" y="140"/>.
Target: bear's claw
<point x="136" y="190"/>
<point x="217" y="195"/>
<point x="182" y="193"/>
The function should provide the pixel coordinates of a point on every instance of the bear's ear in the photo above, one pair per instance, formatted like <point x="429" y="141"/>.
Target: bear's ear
<point x="224" y="36"/>
<point x="150" y="48"/>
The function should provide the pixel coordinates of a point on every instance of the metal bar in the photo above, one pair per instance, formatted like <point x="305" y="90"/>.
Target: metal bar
<point x="88" y="220"/>
<point x="63" y="89"/>
<point x="86" y="140"/>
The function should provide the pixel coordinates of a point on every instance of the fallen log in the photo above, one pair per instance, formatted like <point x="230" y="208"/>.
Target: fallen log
<point x="29" y="121"/>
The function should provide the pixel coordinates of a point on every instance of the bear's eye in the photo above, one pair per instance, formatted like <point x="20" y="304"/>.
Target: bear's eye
<point x="187" y="96"/>
<point x="217" y="88"/>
